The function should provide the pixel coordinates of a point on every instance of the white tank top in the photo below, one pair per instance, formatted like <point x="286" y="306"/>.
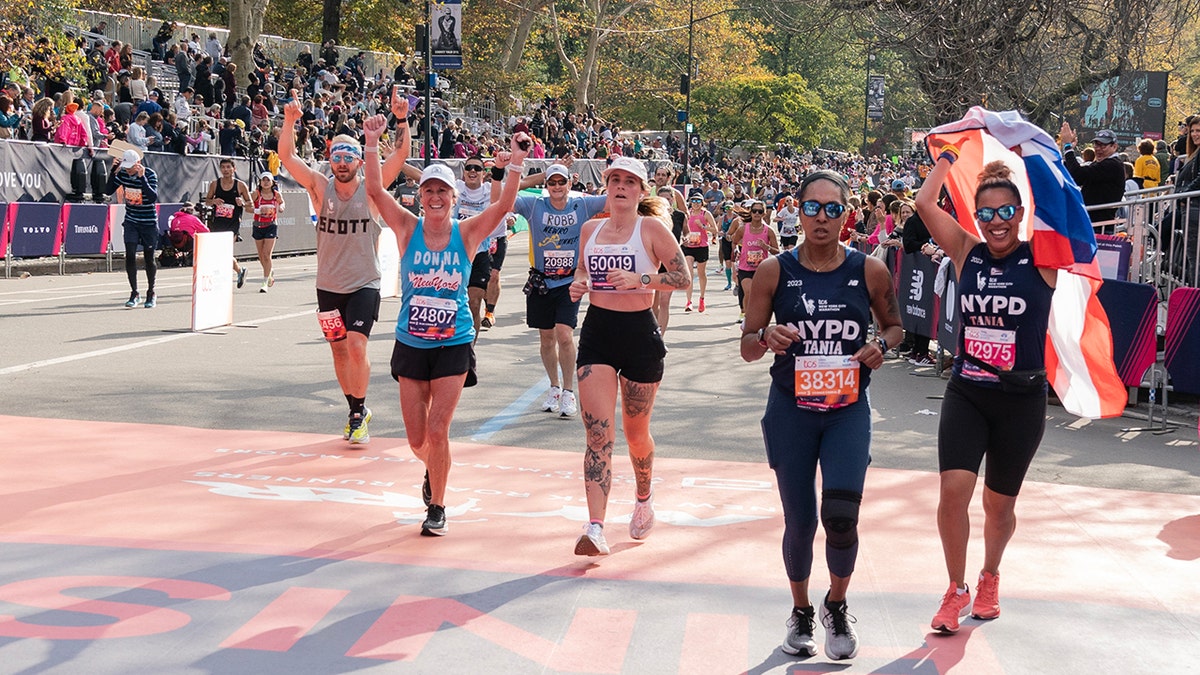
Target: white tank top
<point x="631" y="255"/>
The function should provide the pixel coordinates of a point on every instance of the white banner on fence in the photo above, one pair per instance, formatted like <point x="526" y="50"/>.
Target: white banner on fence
<point x="389" y="264"/>
<point x="212" y="280"/>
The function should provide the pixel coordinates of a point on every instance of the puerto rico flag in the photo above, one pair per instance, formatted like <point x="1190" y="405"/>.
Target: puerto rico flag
<point x="1079" y="353"/>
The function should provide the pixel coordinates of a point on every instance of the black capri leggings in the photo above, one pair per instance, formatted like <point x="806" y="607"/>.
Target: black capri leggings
<point x="978" y="421"/>
<point x="131" y="264"/>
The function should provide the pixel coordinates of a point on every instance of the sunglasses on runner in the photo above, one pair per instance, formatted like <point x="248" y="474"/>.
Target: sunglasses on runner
<point x="812" y="207"/>
<point x="472" y="167"/>
<point x="342" y="158"/>
<point x="560" y="181"/>
<point x="757" y="211"/>
<point x="987" y="213"/>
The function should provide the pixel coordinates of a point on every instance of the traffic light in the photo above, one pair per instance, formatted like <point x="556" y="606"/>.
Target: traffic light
<point x="685" y="84"/>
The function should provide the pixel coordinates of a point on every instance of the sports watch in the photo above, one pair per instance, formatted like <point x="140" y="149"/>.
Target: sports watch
<point x="645" y="279"/>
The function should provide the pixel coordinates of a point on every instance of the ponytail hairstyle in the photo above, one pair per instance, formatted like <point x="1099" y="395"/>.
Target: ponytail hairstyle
<point x="997" y="175"/>
<point x="655" y="207"/>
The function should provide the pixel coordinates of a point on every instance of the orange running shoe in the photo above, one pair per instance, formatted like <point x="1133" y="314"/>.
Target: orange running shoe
<point x="954" y="607"/>
<point x="987" y="597"/>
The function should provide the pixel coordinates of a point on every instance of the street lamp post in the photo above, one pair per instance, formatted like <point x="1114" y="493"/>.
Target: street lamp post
<point x="867" y="98"/>
<point x="687" y="106"/>
<point x="429" y="79"/>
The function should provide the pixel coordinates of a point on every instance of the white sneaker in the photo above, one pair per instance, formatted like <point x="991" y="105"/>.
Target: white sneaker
<point x="550" y="403"/>
<point x="799" y="638"/>
<point x="567" y="406"/>
<point x="591" y="542"/>
<point x="642" y="520"/>
<point x="841" y="640"/>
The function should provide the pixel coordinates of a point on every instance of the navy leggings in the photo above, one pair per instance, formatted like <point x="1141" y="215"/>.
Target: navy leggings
<point x="798" y="440"/>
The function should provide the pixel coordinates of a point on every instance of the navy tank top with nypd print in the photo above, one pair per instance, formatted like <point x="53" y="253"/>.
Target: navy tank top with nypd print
<point x="1004" y="304"/>
<point x="830" y="311"/>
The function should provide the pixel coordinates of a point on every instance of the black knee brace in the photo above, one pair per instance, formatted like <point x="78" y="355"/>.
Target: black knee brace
<point x="839" y="515"/>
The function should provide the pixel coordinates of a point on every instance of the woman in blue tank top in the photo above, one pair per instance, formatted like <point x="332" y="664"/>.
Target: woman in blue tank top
<point x="434" y="331"/>
<point x="822" y="295"/>
<point x="1004" y="305"/>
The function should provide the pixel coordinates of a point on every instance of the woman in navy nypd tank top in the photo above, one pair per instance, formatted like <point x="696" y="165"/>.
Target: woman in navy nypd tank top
<point x="822" y="295"/>
<point x="1004" y="305"/>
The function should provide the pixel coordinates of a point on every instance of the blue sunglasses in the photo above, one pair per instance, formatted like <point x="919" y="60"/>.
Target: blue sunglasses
<point x="812" y="207"/>
<point x="986" y="214"/>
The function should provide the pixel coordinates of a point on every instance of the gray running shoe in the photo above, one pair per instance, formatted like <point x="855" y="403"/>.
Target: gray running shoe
<point x="799" y="638"/>
<point x="841" y="642"/>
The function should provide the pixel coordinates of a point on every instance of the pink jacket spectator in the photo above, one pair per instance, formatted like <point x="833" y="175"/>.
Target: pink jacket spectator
<point x="71" y="129"/>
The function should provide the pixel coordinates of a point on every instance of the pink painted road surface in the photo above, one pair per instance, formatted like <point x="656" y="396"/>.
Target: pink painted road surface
<point x="141" y="548"/>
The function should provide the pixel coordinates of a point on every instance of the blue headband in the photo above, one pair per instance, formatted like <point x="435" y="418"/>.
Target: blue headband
<point x="346" y="148"/>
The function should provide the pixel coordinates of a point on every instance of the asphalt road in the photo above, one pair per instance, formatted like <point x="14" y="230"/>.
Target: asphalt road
<point x="72" y="351"/>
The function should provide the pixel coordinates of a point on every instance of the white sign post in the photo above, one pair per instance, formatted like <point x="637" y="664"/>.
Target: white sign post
<point x="389" y="264"/>
<point x="212" y="280"/>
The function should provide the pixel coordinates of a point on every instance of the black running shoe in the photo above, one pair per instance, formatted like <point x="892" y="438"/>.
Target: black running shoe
<point x="435" y="521"/>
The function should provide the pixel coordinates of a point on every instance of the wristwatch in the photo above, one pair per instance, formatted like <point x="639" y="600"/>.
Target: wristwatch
<point x="645" y="279"/>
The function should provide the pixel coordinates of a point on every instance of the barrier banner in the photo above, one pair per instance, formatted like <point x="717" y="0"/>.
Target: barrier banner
<point x="1112" y="254"/>
<point x="918" y="302"/>
<point x="1183" y="334"/>
<point x="86" y="229"/>
<point x="1132" y="311"/>
<point x="948" y="324"/>
<point x="297" y="230"/>
<point x="31" y="172"/>
<point x="164" y="211"/>
<point x="389" y="264"/>
<point x="212" y="280"/>
<point x="34" y="229"/>
<point x="3" y="229"/>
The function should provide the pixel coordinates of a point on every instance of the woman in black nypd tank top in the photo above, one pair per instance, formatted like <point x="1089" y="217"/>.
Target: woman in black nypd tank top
<point x="823" y="296"/>
<point x="1004" y="305"/>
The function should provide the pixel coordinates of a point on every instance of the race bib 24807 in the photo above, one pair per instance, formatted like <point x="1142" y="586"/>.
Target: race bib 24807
<point x="432" y="318"/>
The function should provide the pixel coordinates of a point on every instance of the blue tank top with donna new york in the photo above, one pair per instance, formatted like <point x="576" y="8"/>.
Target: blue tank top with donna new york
<point x="830" y="311"/>
<point x="433" y="291"/>
<point x="1004" y="304"/>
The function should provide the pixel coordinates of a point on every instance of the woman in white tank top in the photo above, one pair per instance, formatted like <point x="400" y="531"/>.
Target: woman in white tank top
<point x="620" y="344"/>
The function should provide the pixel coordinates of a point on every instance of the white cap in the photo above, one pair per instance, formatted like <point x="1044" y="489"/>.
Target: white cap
<point x="266" y="174"/>
<point x="628" y="165"/>
<point x="557" y="170"/>
<point x="438" y="172"/>
<point x="129" y="158"/>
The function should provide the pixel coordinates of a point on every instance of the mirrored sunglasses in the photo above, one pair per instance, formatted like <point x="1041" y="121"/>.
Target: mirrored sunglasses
<point x="986" y="214"/>
<point x="812" y="207"/>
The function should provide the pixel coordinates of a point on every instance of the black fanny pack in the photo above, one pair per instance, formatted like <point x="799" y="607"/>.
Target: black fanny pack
<point x="1013" y="381"/>
<point x="536" y="284"/>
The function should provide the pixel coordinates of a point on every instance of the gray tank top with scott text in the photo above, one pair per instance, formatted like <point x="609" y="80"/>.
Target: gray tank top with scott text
<point x="347" y="242"/>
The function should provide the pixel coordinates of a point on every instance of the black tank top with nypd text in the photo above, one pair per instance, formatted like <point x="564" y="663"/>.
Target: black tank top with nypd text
<point x="830" y="311"/>
<point x="1004" y="304"/>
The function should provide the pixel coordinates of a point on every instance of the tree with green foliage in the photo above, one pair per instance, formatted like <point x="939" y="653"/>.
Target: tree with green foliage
<point x="765" y="109"/>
